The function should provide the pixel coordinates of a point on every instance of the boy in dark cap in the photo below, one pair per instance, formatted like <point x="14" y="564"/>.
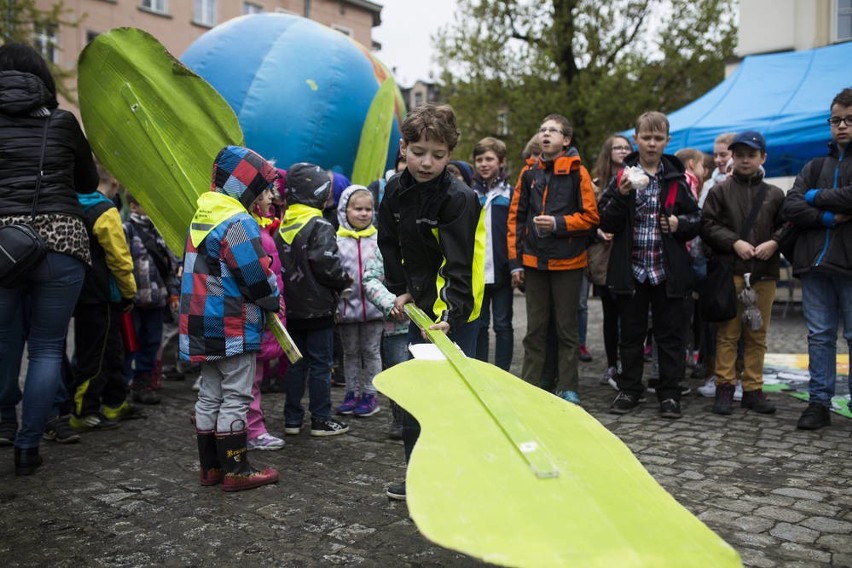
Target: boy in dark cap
<point x="313" y="281"/>
<point x="227" y="284"/>
<point x="742" y="224"/>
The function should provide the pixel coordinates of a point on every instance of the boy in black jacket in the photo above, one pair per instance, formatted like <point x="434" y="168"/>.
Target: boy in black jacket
<point x="432" y="239"/>
<point x="313" y="280"/>
<point x="652" y="215"/>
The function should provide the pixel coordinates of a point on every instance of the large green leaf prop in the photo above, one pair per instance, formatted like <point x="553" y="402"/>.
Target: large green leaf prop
<point x="154" y="124"/>
<point x="375" y="135"/>
<point x="513" y="475"/>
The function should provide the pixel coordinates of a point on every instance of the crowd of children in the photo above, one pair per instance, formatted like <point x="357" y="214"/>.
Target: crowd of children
<point x="456" y="239"/>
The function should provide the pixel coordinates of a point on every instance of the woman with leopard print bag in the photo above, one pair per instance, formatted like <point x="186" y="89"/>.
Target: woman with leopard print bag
<point x="39" y="309"/>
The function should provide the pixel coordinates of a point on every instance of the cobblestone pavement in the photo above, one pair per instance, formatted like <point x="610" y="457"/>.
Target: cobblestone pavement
<point x="130" y="497"/>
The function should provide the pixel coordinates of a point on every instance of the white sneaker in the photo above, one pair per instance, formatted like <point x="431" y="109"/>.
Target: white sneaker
<point x="708" y="389"/>
<point x="196" y="386"/>
<point x="265" y="441"/>
<point x="738" y="392"/>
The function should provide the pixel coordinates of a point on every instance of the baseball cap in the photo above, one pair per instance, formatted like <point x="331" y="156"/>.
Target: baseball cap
<point x="751" y="138"/>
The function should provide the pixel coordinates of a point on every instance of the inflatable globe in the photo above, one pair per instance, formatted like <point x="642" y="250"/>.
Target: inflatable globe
<point x="300" y="90"/>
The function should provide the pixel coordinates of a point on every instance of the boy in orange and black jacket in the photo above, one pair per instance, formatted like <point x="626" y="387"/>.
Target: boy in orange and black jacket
<point x="552" y="213"/>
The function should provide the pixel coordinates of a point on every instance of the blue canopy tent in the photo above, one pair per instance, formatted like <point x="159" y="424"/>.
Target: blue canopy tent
<point x="785" y="96"/>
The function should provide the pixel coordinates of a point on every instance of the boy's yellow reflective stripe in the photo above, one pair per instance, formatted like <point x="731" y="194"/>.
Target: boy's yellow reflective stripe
<point x="477" y="273"/>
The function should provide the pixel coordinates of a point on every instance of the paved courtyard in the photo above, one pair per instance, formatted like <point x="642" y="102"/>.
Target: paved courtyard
<point x="130" y="497"/>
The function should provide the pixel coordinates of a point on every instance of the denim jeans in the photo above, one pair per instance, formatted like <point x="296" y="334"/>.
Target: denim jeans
<point x="317" y="347"/>
<point x="394" y="350"/>
<point x="148" y="323"/>
<point x="464" y="337"/>
<point x="497" y="301"/>
<point x="826" y="301"/>
<point x="39" y="312"/>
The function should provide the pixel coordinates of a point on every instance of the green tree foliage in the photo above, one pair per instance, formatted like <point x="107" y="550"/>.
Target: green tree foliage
<point x="601" y="64"/>
<point x="22" y="22"/>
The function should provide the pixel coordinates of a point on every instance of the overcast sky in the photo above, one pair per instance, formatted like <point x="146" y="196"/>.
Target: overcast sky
<point x="407" y="26"/>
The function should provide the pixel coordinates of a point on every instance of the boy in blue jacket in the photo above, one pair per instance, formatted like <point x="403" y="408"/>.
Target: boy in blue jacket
<point x="226" y="285"/>
<point x="108" y="291"/>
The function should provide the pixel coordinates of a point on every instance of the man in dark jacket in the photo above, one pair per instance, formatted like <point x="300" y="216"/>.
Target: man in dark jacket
<point x="820" y="206"/>
<point x="651" y="216"/>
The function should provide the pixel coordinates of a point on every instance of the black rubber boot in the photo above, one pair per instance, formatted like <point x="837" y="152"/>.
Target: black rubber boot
<point x="211" y="469"/>
<point x="27" y="461"/>
<point x="239" y="474"/>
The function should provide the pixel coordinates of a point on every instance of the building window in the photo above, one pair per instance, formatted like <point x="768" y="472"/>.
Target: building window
<point x="252" y="8"/>
<point x="844" y="20"/>
<point x="418" y="98"/>
<point x="503" y="123"/>
<point x="342" y="29"/>
<point x="44" y="41"/>
<point x="158" y="6"/>
<point x="205" y="12"/>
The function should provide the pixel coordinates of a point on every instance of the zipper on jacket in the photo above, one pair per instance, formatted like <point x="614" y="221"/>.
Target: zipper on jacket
<point x="828" y="229"/>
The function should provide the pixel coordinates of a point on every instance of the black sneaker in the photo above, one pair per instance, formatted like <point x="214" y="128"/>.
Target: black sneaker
<point x="623" y="403"/>
<point x="328" y="427"/>
<point x="59" y="430"/>
<point x="814" y="417"/>
<point x="8" y="431"/>
<point x="396" y="491"/>
<point x="670" y="408"/>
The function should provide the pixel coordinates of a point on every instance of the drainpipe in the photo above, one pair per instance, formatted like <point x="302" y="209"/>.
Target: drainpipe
<point x="308" y="8"/>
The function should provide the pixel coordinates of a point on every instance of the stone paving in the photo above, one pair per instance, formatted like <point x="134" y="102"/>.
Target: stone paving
<point x="129" y="497"/>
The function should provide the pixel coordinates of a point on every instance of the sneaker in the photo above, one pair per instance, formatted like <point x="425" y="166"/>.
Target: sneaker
<point x="585" y="356"/>
<point x="708" y="389"/>
<point x="738" y="391"/>
<point x="396" y="491"/>
<point x="265" y="441"/>
<point x="623" y="403"/>
<point x="8" y="430"/>
<point x="670" y="408"/>
<point x="196" y="386"/>
<point x="125" y="411"/>
<point x="292" y="429"/>
<point x="350" y="401"/>
<point x="367" y="406"/>
<point x="91" y="422"/>
<point x="59" y="430"/>
<point x="814" y="417"/>
<point x="569" y="396"/>
<point x="654" y="383"/>
<point x="697" y="371"/>
<point x="607" y="375"/>
<point x="328" y="427"/>
<point x="648" y="353"/>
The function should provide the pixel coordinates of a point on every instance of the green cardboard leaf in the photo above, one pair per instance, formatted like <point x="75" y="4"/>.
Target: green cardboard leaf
<point x="154" y="124"/>
<point x="375" y="136"/>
